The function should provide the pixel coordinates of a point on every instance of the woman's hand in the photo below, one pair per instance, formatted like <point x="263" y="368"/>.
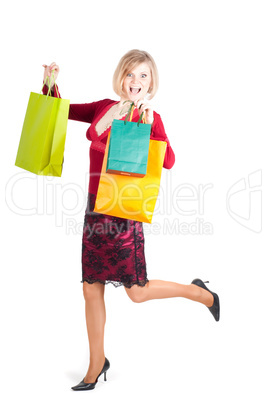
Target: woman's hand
<point x="48" y="73"/>
<point x="144" y="106"/>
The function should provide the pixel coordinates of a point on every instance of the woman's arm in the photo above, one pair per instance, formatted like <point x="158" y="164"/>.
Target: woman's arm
<point x="80" y="112"/>
<point x="158" y="133"/>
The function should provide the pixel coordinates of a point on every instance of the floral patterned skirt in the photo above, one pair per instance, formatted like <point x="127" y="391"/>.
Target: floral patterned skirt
<point x="112" y="249"/>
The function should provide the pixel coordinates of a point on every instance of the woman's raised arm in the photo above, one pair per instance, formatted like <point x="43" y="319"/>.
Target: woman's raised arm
<point x="80" y="112"/>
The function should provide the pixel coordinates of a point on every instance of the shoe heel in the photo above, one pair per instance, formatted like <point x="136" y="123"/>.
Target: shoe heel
<point x="105" y="376"/>
<point x="206" y="282"/>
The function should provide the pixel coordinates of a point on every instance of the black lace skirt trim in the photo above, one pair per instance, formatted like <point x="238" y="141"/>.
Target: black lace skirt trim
<point x="117" y="284"/>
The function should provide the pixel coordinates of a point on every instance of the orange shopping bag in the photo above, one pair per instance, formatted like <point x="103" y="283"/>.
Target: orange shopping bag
<point x="131" y="197"/>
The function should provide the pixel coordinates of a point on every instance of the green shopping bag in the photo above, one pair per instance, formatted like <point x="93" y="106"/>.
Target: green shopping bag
<point x="128" y="148"/>
<point x="42" y="142"/>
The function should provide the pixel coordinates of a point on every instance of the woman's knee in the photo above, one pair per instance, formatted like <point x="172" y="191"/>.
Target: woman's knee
<point x="91" y="291"/>
<point x="136" y="293"/>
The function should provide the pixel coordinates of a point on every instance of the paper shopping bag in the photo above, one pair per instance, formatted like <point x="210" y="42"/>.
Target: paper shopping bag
<point x="131" y="197"/>
<point x="42" y="142"/>
<point x="128" y="147"/>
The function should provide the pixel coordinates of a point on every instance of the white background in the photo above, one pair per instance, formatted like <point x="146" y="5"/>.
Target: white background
<point x="211" y="57"/>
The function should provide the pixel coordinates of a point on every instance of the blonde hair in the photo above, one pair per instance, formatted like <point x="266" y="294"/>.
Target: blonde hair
<point x="129" y="61"/>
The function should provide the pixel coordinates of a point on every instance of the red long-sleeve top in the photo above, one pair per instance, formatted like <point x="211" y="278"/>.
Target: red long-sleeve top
<point x="91" y="113"/>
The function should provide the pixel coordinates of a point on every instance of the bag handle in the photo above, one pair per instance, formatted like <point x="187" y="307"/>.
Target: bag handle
<point x="49" y="85"/>
<point x="142" y="117"/>
<point x="130" y="114"/>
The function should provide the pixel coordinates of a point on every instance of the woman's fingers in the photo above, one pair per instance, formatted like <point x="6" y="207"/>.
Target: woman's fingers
<point x="49" y="69"/>
<point x="51" y="72"/>
<point x="46" y="71"/>
<point x="139" y="103"/>
<point x="144" y="106"/>
<point x="54" y="66"/>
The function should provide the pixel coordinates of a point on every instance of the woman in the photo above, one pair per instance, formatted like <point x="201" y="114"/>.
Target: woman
<point x="110" y="256"/>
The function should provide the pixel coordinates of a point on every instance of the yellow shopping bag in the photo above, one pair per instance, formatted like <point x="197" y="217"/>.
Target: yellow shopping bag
<point x="131" y="197"/>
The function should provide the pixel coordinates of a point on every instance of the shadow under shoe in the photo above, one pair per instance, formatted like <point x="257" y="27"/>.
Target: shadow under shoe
<point x="84" y="386"/>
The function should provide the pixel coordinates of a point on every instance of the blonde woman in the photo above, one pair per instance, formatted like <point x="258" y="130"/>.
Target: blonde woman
<point x="113" y="248"/>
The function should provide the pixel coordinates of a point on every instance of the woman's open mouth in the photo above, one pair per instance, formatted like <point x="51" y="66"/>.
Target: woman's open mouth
<point x="135" y="91"/>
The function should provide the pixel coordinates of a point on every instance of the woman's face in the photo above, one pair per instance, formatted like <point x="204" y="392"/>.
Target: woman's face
<point x="137" y="82"/>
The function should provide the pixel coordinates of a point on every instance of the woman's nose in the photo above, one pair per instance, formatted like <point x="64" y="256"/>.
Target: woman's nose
<point x="134" y="80"/>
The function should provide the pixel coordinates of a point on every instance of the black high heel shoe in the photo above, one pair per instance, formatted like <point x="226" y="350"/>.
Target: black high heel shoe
<point x="215" y="308"/>
<point x="84" y="386"/>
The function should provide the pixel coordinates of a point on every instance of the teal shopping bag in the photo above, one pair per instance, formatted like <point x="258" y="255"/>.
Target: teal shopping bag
<point x="128" y="148"/>
<point x="42" y="141"/>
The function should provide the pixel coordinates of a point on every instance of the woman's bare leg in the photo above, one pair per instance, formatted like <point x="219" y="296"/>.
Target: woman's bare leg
<point x="95" y="313"/>
<point x="158" y="289"/>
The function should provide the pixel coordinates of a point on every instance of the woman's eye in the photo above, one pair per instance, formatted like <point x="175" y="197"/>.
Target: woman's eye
<point x="129" y="75"/>
<point x="143" y="76"/>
